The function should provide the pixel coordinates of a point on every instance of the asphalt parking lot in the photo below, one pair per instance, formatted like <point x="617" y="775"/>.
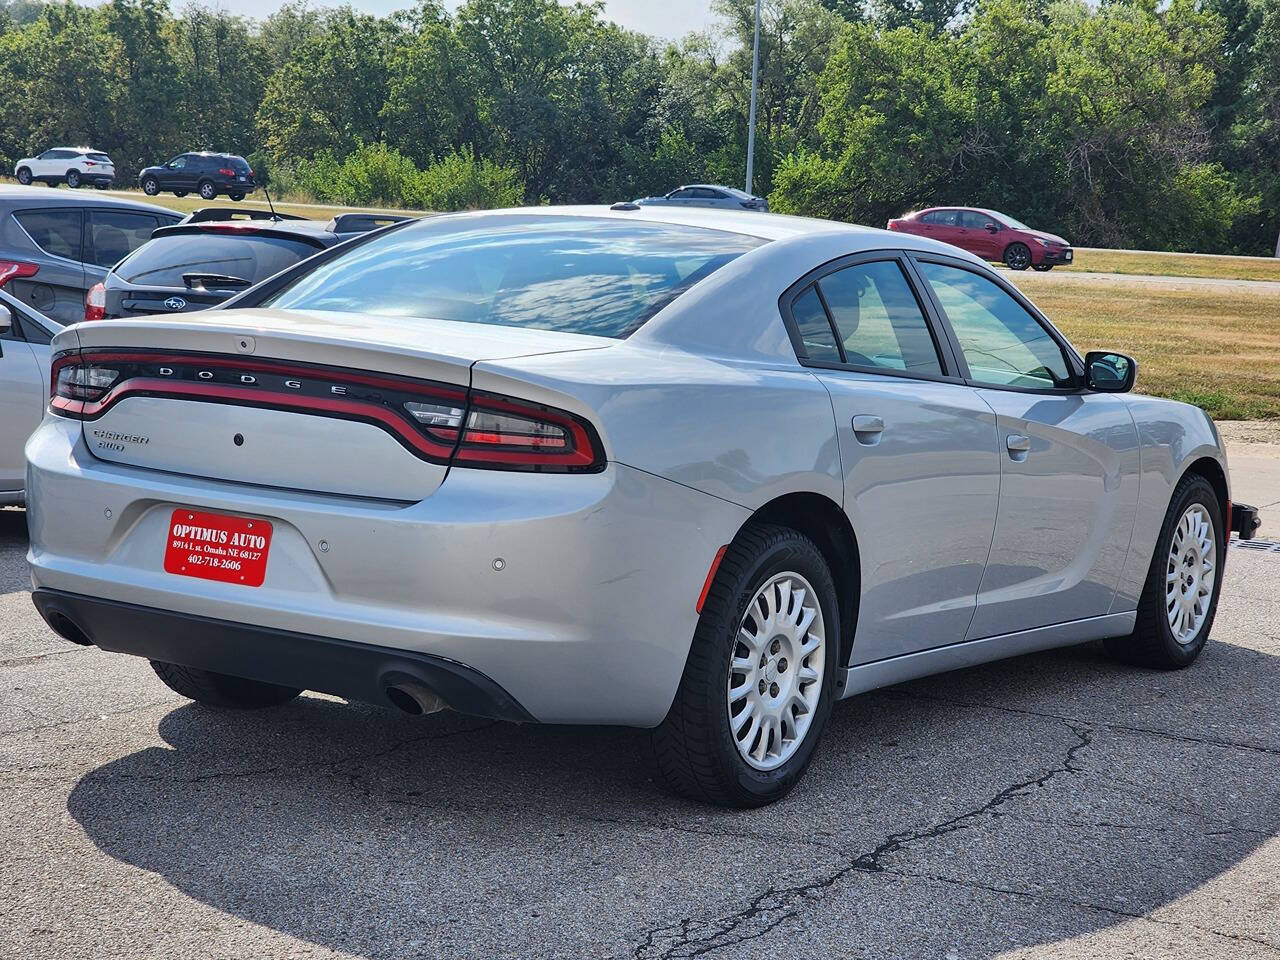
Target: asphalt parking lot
<point x="1057" y="805"/>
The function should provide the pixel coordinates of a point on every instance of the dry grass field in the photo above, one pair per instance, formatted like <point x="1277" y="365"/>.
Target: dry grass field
<point x="1214" y="346"/>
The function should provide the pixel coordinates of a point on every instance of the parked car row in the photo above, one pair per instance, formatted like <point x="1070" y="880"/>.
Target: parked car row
<point x="208" y="174"/>
<point x="434" y="466"/>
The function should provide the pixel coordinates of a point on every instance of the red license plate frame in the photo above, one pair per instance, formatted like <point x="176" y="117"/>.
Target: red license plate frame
<point x="221" y="547"/>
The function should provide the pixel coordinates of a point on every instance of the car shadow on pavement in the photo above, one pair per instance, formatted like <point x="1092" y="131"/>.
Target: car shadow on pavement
<point x="13" y="535"/>
<point x="1025" y="802"/>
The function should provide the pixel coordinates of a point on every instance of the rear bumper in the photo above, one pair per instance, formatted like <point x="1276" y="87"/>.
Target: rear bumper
<point x="1245" y="520"/>
<point x="587" y="619"/>
<point x="356" y="671"/>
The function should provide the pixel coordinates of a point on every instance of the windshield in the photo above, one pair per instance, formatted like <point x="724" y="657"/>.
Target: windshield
<point x="597" y="276"/>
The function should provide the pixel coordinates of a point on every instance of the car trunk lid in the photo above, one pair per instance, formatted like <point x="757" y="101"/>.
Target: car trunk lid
<point x="331" y="403"/>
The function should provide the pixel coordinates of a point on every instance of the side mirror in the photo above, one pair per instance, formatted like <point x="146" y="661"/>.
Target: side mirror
<point x="1110" y="372"/>
<point x="992" y="228"/>
<point x="6" y="318"/>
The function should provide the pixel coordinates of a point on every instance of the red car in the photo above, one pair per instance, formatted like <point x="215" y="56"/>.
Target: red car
<point x="993" y="236"/>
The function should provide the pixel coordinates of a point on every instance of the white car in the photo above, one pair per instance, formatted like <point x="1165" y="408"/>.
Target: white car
<point x="24" y="387"/>
<point x="701" y="471"/>
<point x="74" y="166"/>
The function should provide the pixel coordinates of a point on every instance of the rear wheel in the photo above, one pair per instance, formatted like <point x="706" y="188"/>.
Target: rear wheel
<point x="237" y="197"/>
<point x="73" y="179"/>
<point x="1042" y="267"/>
<point x="760" y="678"/>
<point x="207" y="190"/>
<point x="1017" y="256"/>
<point x="1180" y="597"/>
<point x="179" y="193"/>
<point x="24" y="176"/>
<point x="101" y="185"/>
<point x="150" y="186"/>
<point x="221" y="690"/>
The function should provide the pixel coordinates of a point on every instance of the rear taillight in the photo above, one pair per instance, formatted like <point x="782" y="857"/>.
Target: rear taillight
<point x="95" y="302"/>
<point x="226" y="171"/>
<point x="437" y="422"/>
<point x="229" y="227"/>
<point x="16" y="268"/>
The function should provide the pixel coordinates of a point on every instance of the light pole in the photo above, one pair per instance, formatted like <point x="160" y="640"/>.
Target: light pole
<point x="751" y="120"/>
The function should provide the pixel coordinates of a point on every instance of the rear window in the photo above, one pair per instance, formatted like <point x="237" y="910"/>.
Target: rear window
<point x="239" y="165"/>
<point x="162" y="261"/>
<point x="581" y="275"/>
<point x="99" y="157"/>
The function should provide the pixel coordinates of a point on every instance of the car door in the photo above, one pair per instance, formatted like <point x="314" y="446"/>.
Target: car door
<point x="177" y="174"/>
<point x="23" y="394"/>
<point x="42" y="166"/>
<point x="979" y="240"/>
<point x="918" y="449"/>
<point x="56" y="236"/>
<point x="1068" y="458"/>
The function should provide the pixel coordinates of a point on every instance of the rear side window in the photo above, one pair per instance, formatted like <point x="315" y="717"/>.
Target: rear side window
<point x="581" y="275"/>
<point x="55" y="231"/>
<point x="114" y="233"/>
<point x="878" y="318"/>
<point x="161" y="262"/>
<point x="814" y="327"/>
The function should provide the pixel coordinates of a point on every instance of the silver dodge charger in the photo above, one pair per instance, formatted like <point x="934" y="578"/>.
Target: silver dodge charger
<point x="698" y="471"/>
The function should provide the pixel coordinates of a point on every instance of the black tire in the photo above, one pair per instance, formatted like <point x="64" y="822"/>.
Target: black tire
<point x="221" y="690"/>
<point x="101" y="185"/>
<point x="1152" y="643"/>
<point x="180" y="193"/>
<point x="24" y="176"/>
<point x="150" y="186"/>
<point x="694" y="750"/>
<point x="73" y="179"/>
<point x="207" y="190"/>
<point x="1042" y="267"/>
<point x="1017" y="256"/>
<point x="237" y="197"/>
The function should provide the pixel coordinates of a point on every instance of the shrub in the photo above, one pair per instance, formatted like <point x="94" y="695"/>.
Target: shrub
<point x="458" y="181"/>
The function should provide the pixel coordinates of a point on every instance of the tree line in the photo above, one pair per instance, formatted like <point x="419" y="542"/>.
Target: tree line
<point x="1122" y="123"/>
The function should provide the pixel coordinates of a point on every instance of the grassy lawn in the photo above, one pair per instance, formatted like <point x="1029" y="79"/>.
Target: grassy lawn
<point x="1175" y="264"/>
<point x="1215" y="347"/>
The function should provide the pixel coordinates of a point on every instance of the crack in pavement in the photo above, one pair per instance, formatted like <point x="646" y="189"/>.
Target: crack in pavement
<point x="1050" y="898"/>
<point x="1108" y="724"/>
<point x="776" y="905"/>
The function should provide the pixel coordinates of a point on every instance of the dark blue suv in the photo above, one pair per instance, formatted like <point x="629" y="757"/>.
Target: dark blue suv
<point x="208" y="174"/>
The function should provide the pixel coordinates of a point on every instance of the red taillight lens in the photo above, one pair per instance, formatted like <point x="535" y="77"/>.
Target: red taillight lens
<point x="73" y="383"/>
<point x="95" y="302"/>
<point x="16" y="268"/>
<point x="226" y="171"/>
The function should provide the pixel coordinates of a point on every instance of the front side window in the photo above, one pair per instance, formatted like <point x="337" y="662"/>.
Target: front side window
<point x="603" y="277"/>
<point x="974" y="221"/>
<point x="878" y="318"/>
<point x="55" y="231"/>
<point x="178" y="163"/>
<point x="1003" y="344"/>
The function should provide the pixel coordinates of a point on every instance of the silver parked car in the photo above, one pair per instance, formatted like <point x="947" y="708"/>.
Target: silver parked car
<point x="24" y="387"/>
<point x="701" y="472"/>
<point x="707" y="195"/>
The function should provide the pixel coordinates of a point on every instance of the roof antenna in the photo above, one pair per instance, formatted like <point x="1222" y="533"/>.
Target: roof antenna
<point x="267" y="194"/>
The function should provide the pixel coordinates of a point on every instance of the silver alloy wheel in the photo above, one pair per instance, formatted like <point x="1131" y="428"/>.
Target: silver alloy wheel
<point x="776" y="671"/>
<point x="1190" y="574"/>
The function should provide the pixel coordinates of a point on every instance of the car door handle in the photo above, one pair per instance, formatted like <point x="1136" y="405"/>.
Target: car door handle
<point x="867" y="429"/>
<point x="1018" y="446"/>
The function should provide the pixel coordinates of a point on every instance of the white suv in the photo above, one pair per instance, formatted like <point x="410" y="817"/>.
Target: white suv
<point x="71" y="165"/>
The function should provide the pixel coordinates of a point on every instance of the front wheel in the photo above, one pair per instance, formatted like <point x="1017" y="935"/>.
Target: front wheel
<point x="1042" y="267"/>
<point x="220" y="689"/>
<point x="73" y="179"/>
<point x="1017" y="256"/>
<point x="208" y="191"/>
<point x="237" y="197"/>
<point x="150" y="186"/>
<point x="1180" y="597"/>
<point x="760" y="678"/>
<point x="179" y="193"/>
<point x="24" y="176"/>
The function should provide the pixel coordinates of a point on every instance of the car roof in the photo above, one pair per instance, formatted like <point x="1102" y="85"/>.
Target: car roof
<point x="45" y="197"/>
<point x="717" y="186"/>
